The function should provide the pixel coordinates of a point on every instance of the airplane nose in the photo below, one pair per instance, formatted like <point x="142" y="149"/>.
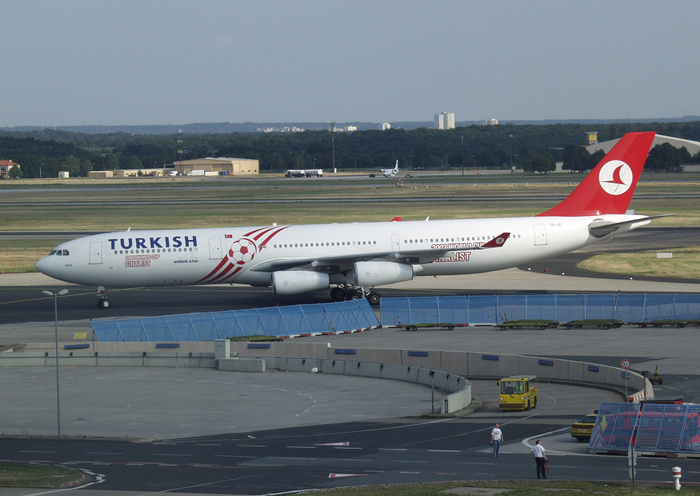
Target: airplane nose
<point x="44" y="266"/>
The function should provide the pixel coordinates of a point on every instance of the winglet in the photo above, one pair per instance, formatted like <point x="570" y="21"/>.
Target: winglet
<point x="497" y="242"/>
<point x="608" y="188"/>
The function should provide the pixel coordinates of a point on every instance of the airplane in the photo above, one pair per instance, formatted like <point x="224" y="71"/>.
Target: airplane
<point x="391" y="172"/>
<point x="354" y="258"/>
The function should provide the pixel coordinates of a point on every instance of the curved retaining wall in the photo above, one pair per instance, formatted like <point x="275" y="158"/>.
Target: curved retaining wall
<point x="450" y="368"/>
<point x="473" y="365"/>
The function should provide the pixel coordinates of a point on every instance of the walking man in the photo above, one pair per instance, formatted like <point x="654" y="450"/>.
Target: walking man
<point x="540" y="459"/>
<point x="496" y="439"/>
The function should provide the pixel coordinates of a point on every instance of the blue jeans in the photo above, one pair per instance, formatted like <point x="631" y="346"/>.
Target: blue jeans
<point x="496" y="445"/>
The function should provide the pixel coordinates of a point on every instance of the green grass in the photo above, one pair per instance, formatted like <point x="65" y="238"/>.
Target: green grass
<point x="20" y="255"/>
<point x="516" y="488"/>
<point x="35" y="476"/>
<point x="685" y="264"/>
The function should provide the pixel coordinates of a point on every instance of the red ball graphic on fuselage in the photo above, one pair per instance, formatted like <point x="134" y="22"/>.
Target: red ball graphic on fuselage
<point x="242" y="251"/>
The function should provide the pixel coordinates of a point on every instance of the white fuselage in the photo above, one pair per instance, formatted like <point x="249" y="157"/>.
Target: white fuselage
<point x="250" y="255"/>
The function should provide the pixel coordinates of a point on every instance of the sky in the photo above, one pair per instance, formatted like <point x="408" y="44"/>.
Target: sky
<point x="142" y="62"/>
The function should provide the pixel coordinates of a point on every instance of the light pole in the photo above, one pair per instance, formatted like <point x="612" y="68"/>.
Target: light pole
<point x="58" y="390"/>
<point x="333" y="144"/>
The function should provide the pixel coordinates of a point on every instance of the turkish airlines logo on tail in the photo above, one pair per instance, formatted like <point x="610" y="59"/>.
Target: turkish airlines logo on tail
<point x="615" y="177"/>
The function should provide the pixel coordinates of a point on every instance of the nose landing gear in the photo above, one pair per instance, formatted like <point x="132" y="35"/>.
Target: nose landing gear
<point x="103" y="302"/>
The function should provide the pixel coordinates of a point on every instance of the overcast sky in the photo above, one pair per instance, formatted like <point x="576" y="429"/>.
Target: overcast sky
<point x="96" y="62"/>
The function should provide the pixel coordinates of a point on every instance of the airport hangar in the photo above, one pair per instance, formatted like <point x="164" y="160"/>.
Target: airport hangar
<point x="220" y="166"/>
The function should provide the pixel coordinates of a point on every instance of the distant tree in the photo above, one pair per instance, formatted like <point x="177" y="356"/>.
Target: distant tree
<point x="664" y="157"/>
<point x="594" y="159"/>
<point x="71" y="164"/>
<point x="15" y="172"/>
<point x="540" y="162"/>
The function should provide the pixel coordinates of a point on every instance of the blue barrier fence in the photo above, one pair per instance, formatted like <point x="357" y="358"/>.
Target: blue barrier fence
<point x="272" y="321"/>
<point x="649" y="427"/>
<point x="493" y="309"/>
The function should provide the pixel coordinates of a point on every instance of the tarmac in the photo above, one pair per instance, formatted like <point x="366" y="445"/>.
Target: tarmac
<point x="164" y="403"/>
<point x="159" y="403"/>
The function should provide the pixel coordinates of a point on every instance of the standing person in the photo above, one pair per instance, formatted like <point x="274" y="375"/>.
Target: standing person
<point x="496" y="439"/>
<point x="540" y="458"/>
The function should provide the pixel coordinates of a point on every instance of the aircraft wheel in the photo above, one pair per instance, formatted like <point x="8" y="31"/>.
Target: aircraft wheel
<point x="373" y="298"/>
<point x="337" y="294"/>
<point x="103" y="303"/>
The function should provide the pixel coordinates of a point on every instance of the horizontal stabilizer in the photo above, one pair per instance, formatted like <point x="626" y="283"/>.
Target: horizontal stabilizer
<point x="600" y="229"/>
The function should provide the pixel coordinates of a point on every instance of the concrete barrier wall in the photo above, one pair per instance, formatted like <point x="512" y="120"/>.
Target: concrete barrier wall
<point x="459" y="387"/>
<point x="396" y="364"/>
<point x="473" y="365"/>
<point x="121" y="359"/>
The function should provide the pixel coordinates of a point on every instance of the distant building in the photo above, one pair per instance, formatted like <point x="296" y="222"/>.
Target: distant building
<point x="444" y="120"/>
<point x="220" y="165"/>
<point x="693" y="147"/>
<point x="385" y="126"/>
<point x="492" y="122"/>
<point x="5" y="167"/>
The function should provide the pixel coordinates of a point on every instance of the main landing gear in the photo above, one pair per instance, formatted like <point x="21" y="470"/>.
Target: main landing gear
<point x="347" y="292"/>
<point x="103" y="302"/>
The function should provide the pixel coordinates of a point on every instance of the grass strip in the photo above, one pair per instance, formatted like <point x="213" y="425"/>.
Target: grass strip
<point x="35" y="476"/>
<point x="685" y="264"/>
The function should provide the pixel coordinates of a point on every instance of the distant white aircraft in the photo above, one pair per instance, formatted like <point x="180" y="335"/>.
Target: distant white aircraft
<point x="390" y="172"/>
<point x="355" y="258"/>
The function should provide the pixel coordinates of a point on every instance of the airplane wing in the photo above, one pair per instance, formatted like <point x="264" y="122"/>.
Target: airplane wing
<point x="342" y="264"/>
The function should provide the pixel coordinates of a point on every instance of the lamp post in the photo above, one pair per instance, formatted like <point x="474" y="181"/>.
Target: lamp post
<point x="58" y="390"/>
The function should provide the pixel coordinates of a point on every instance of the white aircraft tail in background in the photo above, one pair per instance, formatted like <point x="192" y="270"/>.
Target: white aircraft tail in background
<point x="353" y="259"/>
<point x="391" y="172"/>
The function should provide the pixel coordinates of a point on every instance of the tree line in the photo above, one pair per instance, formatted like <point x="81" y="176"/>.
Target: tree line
<point x="534" y="148"/>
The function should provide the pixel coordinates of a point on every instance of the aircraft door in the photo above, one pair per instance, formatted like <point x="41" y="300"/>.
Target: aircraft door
<point x="540" y="234"/>
<point x="215" y="249"/>
<point x="395" y="242"/>
<point x="96" y="252"/>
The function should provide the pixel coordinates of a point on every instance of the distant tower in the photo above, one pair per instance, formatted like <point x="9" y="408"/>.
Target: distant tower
<point x="444" y="120"/>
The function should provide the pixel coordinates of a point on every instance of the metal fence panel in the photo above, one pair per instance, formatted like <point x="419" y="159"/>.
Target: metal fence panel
<point x="483" y="309"/>
<point x="600" y="306"/>
<point x="316" y="318"/>
<point x="395" y="311"/>
<point x="227" y="324"/>
<point x="659" y="306"/>
<point x="453" y="310"/>
<point x="630" y="307"/>
<point x="614" y="426"/>
<point x="571" y="307"/>
<point x="205" y="327"/>
<point x="424" y="309"/>
<point x="511" y="307"/>
<point x="687" y="306"/>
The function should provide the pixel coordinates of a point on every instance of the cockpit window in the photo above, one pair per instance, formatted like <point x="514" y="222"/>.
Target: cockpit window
<point x="53" y="252"/>
<point x="60" y="253"/>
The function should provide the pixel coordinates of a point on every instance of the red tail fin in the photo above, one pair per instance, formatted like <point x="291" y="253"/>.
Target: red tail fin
<point x="608" y="188"/>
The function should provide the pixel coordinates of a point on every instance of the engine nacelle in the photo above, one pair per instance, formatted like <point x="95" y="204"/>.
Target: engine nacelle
<point x="289" y="282"/>
<point x="377" y="273"/>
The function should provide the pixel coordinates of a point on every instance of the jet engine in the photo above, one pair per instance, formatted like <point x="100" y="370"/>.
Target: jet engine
<point x="289" y="282"/>
<point x="369" y="274"/>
